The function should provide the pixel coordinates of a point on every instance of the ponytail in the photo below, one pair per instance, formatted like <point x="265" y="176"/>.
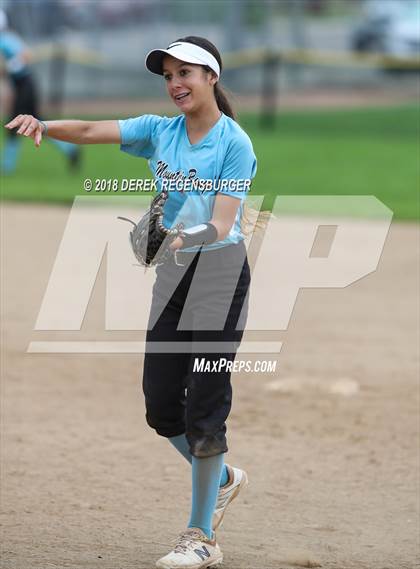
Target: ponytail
<point x="223" y="102"/>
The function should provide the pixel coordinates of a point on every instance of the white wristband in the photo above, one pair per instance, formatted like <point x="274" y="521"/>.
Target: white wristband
<point x="45" y="131"/>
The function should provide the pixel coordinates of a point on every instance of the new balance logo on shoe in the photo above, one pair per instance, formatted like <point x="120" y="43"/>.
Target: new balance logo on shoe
<point x="193" y="550"/>
<point x="202" y="553"/>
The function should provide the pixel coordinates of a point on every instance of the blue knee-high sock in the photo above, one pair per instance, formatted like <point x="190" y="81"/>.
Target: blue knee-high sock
<point x="181" y="444"/>
<point x="10" y="154"/>
<point x="206" y="474"/>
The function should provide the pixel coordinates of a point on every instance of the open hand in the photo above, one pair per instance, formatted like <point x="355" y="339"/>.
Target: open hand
<point x="28" y="125"/>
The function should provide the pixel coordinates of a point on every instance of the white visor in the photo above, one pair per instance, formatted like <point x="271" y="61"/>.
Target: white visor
<point x="188" y="52"/>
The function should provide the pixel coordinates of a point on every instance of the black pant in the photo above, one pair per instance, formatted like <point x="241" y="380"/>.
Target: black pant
<point x="178" y="398"/>
<point x="25" y="99"/>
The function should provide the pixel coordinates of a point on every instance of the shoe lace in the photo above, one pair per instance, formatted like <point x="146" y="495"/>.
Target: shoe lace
<point x="185" y="539"/>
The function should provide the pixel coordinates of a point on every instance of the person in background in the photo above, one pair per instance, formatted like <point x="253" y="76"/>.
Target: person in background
<point x="25" y="99"/>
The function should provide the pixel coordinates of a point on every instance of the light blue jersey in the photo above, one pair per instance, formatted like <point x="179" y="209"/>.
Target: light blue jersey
<point x="223" y="161"/>
<point x="12" y="48"/>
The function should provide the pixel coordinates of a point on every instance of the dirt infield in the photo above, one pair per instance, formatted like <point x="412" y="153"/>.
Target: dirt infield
<point x="329" y="440"/>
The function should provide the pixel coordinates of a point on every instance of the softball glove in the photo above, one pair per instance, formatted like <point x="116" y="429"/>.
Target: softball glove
<point x="149" y="238"/>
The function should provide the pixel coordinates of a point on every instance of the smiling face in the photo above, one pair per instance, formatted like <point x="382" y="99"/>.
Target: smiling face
<point x="190" y="86"/>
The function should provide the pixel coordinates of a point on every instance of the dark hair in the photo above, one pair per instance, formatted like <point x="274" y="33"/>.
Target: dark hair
<point x="219" y="94"/>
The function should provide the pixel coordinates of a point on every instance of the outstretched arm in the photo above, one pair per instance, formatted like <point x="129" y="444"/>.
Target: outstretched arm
<point x="78" y="132"/>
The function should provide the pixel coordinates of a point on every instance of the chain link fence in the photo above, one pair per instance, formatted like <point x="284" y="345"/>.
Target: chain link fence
<point x="87" y="49"/>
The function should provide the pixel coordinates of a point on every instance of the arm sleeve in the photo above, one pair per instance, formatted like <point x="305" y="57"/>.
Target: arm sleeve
<point x="240" y="163"/>
<point x="138" y="135"/>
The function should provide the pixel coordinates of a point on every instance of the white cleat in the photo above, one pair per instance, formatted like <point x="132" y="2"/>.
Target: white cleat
<point x="238" y="479"/>
<point x="193" y="550"/>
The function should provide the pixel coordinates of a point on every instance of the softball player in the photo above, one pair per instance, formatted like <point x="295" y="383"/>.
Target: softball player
<point x="204" y="142"/>
<point x="25" y="96"/>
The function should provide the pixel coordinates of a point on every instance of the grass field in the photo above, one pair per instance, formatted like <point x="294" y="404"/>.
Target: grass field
<point x="355" y="151"/>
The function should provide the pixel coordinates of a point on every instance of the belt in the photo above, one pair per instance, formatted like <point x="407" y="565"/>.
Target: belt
<point x="181" y="257"/>
<point x="185" y="257"/>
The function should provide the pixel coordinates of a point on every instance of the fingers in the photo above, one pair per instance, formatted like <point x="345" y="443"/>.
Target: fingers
<point x="177" y="243"/>
<point x="31" y="128"/>
<point x="27" y="125"/>
<point x="14" y="123"/>
<point x="38" y="137"/>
